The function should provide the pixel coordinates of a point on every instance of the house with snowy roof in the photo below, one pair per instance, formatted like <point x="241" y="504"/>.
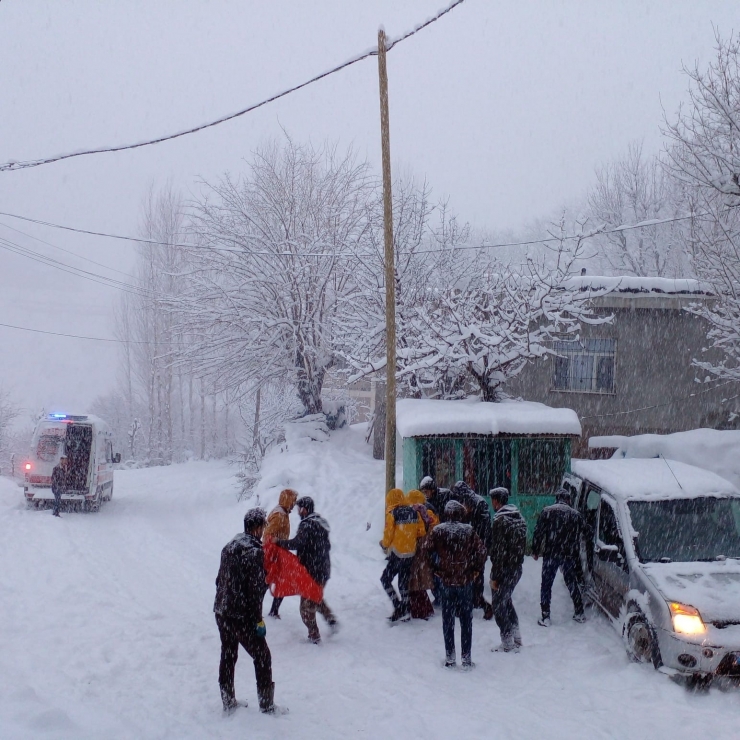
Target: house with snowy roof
<point x="521" y="445"/>
<point x="634" y="375"/>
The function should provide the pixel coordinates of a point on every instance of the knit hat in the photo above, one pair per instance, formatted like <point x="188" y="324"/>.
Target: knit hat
<point x="427" y="482"/>
<point x="500" y="494"/>
<point x="254" y="518"/>
<point x="563" y="495"/>
<point x="454" y="511"/>
<point x="305" y="502"/>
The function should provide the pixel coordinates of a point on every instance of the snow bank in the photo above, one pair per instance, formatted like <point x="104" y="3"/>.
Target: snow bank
<point x="715" y="450"/>
<point x="421" y="417"/>
<point x="631" y="284"/>
<point x="651" y="479"/>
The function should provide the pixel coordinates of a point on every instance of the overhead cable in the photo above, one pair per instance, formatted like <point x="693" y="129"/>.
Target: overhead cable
<point x="13" y="165"/>
<point x="501" y="245"/>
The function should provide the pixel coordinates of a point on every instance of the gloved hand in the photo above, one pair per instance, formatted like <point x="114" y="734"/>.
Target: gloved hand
<point x="261" y="629"/>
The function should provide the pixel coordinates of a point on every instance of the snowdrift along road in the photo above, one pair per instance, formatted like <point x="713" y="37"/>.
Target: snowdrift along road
<point x="107" y="629"/>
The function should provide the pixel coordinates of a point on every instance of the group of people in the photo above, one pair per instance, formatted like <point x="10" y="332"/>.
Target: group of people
<point x="438" y="540"/>
<point x="435" y="539"/>
<point x="242" y="582"/>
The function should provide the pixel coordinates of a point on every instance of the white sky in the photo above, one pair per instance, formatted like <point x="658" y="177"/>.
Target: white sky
<point x="507" y="107"/>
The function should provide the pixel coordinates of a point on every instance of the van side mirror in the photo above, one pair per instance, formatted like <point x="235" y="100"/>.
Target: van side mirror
<point x="117" y="458"/>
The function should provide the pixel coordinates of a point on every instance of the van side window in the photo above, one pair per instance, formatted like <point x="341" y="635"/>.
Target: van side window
<point x="608" y="528"/>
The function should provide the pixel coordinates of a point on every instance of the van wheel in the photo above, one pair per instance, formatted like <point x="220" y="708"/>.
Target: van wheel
<point x="640" y="641"/>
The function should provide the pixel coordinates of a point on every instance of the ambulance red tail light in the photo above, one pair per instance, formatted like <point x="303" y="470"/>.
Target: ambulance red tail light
<point x="27" y="466"/>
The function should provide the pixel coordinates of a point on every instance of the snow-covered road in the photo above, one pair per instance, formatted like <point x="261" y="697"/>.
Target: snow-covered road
<point x="107" y="631"/>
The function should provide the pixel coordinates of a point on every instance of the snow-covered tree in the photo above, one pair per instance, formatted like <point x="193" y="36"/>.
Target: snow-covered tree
<point x="633" y="189"/>
<point x="272" y="266"/>
<point x="488" y="326"/>
<point x="704" y="156"/>
<point x="426" y="238"/>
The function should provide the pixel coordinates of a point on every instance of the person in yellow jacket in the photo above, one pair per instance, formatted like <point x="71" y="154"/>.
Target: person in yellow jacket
<point x="403" y="527"/>
<point x="278" y="528"/>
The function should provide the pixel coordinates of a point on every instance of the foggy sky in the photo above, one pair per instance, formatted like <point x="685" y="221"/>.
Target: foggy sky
<point x="507" y="107"/>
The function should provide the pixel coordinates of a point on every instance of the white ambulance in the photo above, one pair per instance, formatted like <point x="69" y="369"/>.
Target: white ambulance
<point x="88" y="445"/>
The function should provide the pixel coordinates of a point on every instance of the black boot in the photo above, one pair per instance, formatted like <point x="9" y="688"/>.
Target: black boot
<point x="267" y="702"/>
<point x="229" y="701"/>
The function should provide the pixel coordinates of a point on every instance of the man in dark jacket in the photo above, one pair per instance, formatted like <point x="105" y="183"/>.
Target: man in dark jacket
<point x="478" y="515"/>
<point x="312" y="546"/>
<point x="557" y="538"/>
<point x="508" y="542"/>
<point x="437" y="498"/>
<point x="240" y="589"/>
<point x="456" y="554"/>
<point x="59" y="483"/>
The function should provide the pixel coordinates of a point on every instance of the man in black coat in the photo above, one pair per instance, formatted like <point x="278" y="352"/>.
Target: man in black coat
<point x="478" y="515"/>
<point x="436" y="497"/>
<point x="240" y="589"/>
<point x="508" y="543"/>
<point x="557" y="538"/>
<point x="312" y="547"/>
<point x="59" y="483"/>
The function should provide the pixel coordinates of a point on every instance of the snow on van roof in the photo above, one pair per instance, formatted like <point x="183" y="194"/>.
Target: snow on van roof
<point x="651" y="479"/>
<point x="424" y="417"/>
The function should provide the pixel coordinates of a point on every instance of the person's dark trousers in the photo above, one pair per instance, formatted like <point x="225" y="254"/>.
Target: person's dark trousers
<point x="57" y="504"/>
<point x="275" y="607"/>
<point x="479" y="601"/>
<point x="236" y="632"/>
<point x="503" y="607"/>
<point x="400" y="567"/>
<point x="569" y="567"/>
<point x="457" y="601"/>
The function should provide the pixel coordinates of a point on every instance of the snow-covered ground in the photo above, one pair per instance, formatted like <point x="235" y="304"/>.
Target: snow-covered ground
<point x="106" y="629"/>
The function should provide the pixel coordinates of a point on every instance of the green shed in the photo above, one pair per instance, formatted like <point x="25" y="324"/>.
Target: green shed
<point x="522" y="445"/>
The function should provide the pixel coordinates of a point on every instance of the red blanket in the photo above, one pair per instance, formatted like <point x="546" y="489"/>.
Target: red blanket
<point x="287" y="577"/>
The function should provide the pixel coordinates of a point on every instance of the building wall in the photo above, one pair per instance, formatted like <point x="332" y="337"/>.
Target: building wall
<point x="653" y="377"/>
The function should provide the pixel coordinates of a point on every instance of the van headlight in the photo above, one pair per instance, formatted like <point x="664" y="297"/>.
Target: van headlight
<point x="686" y="619"/>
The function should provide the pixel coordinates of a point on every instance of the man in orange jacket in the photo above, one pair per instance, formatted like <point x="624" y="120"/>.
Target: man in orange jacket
<point x="403" y="527"/>
<point x="278" y="528"/>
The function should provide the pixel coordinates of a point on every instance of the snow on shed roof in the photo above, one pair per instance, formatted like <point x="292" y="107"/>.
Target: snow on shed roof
<point x="642" y="285"/>
<point x="655" y="478"/>
<point x="424" y="417"/>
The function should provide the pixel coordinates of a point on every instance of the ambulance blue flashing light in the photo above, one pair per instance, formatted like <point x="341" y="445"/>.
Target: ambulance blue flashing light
<point x="57" y="416"/>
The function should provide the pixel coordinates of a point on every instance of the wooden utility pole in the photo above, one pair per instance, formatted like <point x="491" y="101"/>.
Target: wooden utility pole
<point x="390" y="274"/>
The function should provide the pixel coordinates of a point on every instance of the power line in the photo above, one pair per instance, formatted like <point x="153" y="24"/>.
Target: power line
<point x="78" y="336"/>
<point x="501" y="245"/>
<point x="660" y="405"/>
<point x="13" y="165"/>
<point x="64" y="267"/>
<point x="68" y="251"/>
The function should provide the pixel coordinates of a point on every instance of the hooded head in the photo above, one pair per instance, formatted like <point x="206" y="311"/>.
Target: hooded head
<point x="464" y="493"/>
<point x="563" y="496"/>
<point x="306" y="504"/>
<point x="253" y="520"/>
<point x="393" y="498"/>
<point x="416" y="497"/>
<point x="287" y="499"/>
<point x="454" y="511"/>
<point x="427" y="484"/>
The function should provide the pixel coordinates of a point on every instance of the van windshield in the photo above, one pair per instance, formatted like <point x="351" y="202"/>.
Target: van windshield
<point x="686" y="529"/>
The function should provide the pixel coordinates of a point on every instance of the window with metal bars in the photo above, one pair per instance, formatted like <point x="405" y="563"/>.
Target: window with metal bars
<point x="586" y="365"/>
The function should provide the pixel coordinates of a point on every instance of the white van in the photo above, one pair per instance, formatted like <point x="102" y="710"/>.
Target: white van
<point x="88" y="444"/>
<point x="662" y="560"/>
